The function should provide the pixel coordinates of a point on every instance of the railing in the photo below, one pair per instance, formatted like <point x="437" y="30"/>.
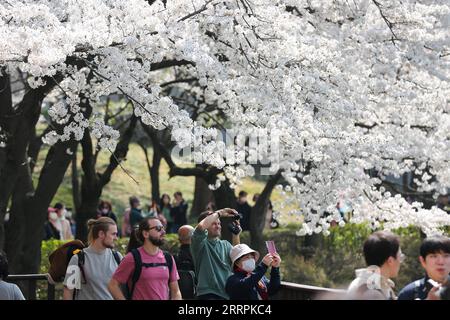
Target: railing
<point x="295" y="291"/>
<point x="30" y="280"/>
<point x="289" y="290"/>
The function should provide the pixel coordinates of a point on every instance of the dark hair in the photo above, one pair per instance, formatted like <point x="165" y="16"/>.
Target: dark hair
<point x="58" y="206"/>
<point x="211" y="205"/>
<point x="255" y="197"/>
<point x="104" y="203"/>
<point x="242" y="194"/>
<point x="380" y="246"/>
<point x="178" y="193"/>
<point x="203" y="215"/>
<point x="95" y="226"/>
<point x="3" y="266"/>
<point x="133" y="200"/>
<point x="435" y="244"/>
<point x="136" y="236"/>
<point x="162" y="200"/>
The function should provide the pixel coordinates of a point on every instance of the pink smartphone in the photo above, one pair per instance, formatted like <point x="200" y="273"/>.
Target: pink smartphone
<point x="271" y="247"/>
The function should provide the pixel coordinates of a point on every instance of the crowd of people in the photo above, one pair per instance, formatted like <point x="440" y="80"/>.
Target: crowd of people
<point x="172" y="214"/>
<point x="216" y="268"/>
<point x="149" y="273"/>
<point x="224" y="270"/>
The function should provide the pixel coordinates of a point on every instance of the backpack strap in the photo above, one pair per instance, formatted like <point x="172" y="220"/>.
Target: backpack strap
<point x="81" y="259"/>
<point x="136" y="274"/>
<point x="116" y="256"/>
<point x="138" y="269"/>
<point x="169" y="262"/>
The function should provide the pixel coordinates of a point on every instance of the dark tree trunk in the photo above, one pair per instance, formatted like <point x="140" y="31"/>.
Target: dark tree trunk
<point x="18" y="125"/>
<point x="52" y="174"/>
<point x="15" y="227"/>
<point x="259" y="212"/>
<point x="202" y="196"/>
<point x="90" y="197"/>
<point x="92" y="183"/>
<point x="35" y="147"/>
<point x="75" y="184"/>
<point x="154" y="174"/>
<point x="153" y="168"/>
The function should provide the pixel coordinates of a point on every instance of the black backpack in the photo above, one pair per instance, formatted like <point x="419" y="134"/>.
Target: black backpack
<point x="187" y="284"/>
<point x="138" y="269"/>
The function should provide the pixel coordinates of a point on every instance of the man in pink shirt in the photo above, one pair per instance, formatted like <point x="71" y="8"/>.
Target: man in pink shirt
<point x="154" y="281"/>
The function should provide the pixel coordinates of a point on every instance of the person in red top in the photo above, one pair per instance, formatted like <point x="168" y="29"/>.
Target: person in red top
<point x="155" y="281"/>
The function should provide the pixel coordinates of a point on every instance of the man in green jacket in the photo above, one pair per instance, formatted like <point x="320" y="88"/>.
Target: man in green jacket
<point x="211" y="255"/>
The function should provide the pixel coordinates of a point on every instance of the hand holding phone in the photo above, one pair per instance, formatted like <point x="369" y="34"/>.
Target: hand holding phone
<point x="271" y="247"/>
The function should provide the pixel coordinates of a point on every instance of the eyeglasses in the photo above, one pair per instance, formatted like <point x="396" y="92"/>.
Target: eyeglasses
<point x="157" y="228"/>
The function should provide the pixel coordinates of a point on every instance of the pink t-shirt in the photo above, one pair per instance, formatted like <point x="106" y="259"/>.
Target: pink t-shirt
<point x="153" y="284"/>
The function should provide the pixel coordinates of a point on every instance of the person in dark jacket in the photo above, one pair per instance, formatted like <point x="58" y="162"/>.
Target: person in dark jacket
<point x="179" y="211"/>
<point x="248" y="282"/>
<point x="105" y="210"/>
<point x="184" y="257"/>
<point x="244" y="208"/>
<point x="435" y="259"/>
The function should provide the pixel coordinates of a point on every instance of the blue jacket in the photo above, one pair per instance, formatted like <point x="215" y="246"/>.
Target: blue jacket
<point x="416" y="290"/>
<point x="240" y="286"/>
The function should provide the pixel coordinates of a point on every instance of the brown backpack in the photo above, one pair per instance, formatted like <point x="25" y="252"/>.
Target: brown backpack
<point x="60" y="258"/>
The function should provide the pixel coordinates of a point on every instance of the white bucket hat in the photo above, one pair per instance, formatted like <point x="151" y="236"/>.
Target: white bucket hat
<point x="241" y="250"/>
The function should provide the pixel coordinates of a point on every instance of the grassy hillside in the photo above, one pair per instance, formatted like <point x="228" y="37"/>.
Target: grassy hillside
<point x="122" y="186"/>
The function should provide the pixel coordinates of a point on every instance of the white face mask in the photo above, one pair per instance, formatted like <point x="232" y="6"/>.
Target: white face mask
<point x="248" y="265"/>
<point x="105" y="211"/>
<point x="53" y="216"/>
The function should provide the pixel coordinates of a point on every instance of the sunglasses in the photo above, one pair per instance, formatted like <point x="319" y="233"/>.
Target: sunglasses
<point x="157" y="228"/>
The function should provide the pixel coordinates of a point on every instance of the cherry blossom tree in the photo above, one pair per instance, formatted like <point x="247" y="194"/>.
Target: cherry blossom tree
<point x="340" y="88"/>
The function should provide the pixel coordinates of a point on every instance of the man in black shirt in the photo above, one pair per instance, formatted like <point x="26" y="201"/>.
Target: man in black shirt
<point x="244" y="208"/>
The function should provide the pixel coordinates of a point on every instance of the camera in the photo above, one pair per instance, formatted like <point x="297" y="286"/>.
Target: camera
<point x="237" y="216"/>
<point x="233" y="226"/>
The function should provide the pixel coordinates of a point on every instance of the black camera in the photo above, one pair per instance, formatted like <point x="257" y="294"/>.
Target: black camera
<point x="233" y="226"/>
<point x="237" y="216"/>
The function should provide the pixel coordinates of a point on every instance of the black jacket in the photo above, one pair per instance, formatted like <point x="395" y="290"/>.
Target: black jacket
<point x="179" y="213"/>
<point x="184" y="258"/>
<point x="240" y="286"/>
<point x="246" y="211"/>
<point x="416" y="290"/>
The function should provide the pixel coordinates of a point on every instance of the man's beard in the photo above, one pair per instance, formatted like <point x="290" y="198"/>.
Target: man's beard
<point x="156" y="241"/>
<point x="108" y="246"/>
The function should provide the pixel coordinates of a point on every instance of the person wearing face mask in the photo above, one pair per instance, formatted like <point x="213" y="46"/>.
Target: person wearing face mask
<point x="50" y="226"/>
<point x="61" y="223"/>
<point x="248" y="281"/>
<point x="105" y="210"/>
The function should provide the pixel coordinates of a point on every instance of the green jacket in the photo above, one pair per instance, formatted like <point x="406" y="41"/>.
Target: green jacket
<point x="212" y="263"/>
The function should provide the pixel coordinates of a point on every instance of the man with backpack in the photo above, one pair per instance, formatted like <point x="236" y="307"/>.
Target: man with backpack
<point x="148" y="272"/>
<point x="90" y="269"/>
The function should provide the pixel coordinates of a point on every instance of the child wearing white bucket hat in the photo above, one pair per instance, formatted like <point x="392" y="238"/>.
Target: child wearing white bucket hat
<point x="248" y="281"/>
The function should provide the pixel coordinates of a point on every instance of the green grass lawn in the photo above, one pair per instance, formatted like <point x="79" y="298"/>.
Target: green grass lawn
<point x="122" y="186"/>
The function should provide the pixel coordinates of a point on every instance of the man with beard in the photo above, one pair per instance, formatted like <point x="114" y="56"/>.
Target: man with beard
<point x="90" y="270"/>
<point x="211" y="255"/>
<point x="148" y="272"/>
